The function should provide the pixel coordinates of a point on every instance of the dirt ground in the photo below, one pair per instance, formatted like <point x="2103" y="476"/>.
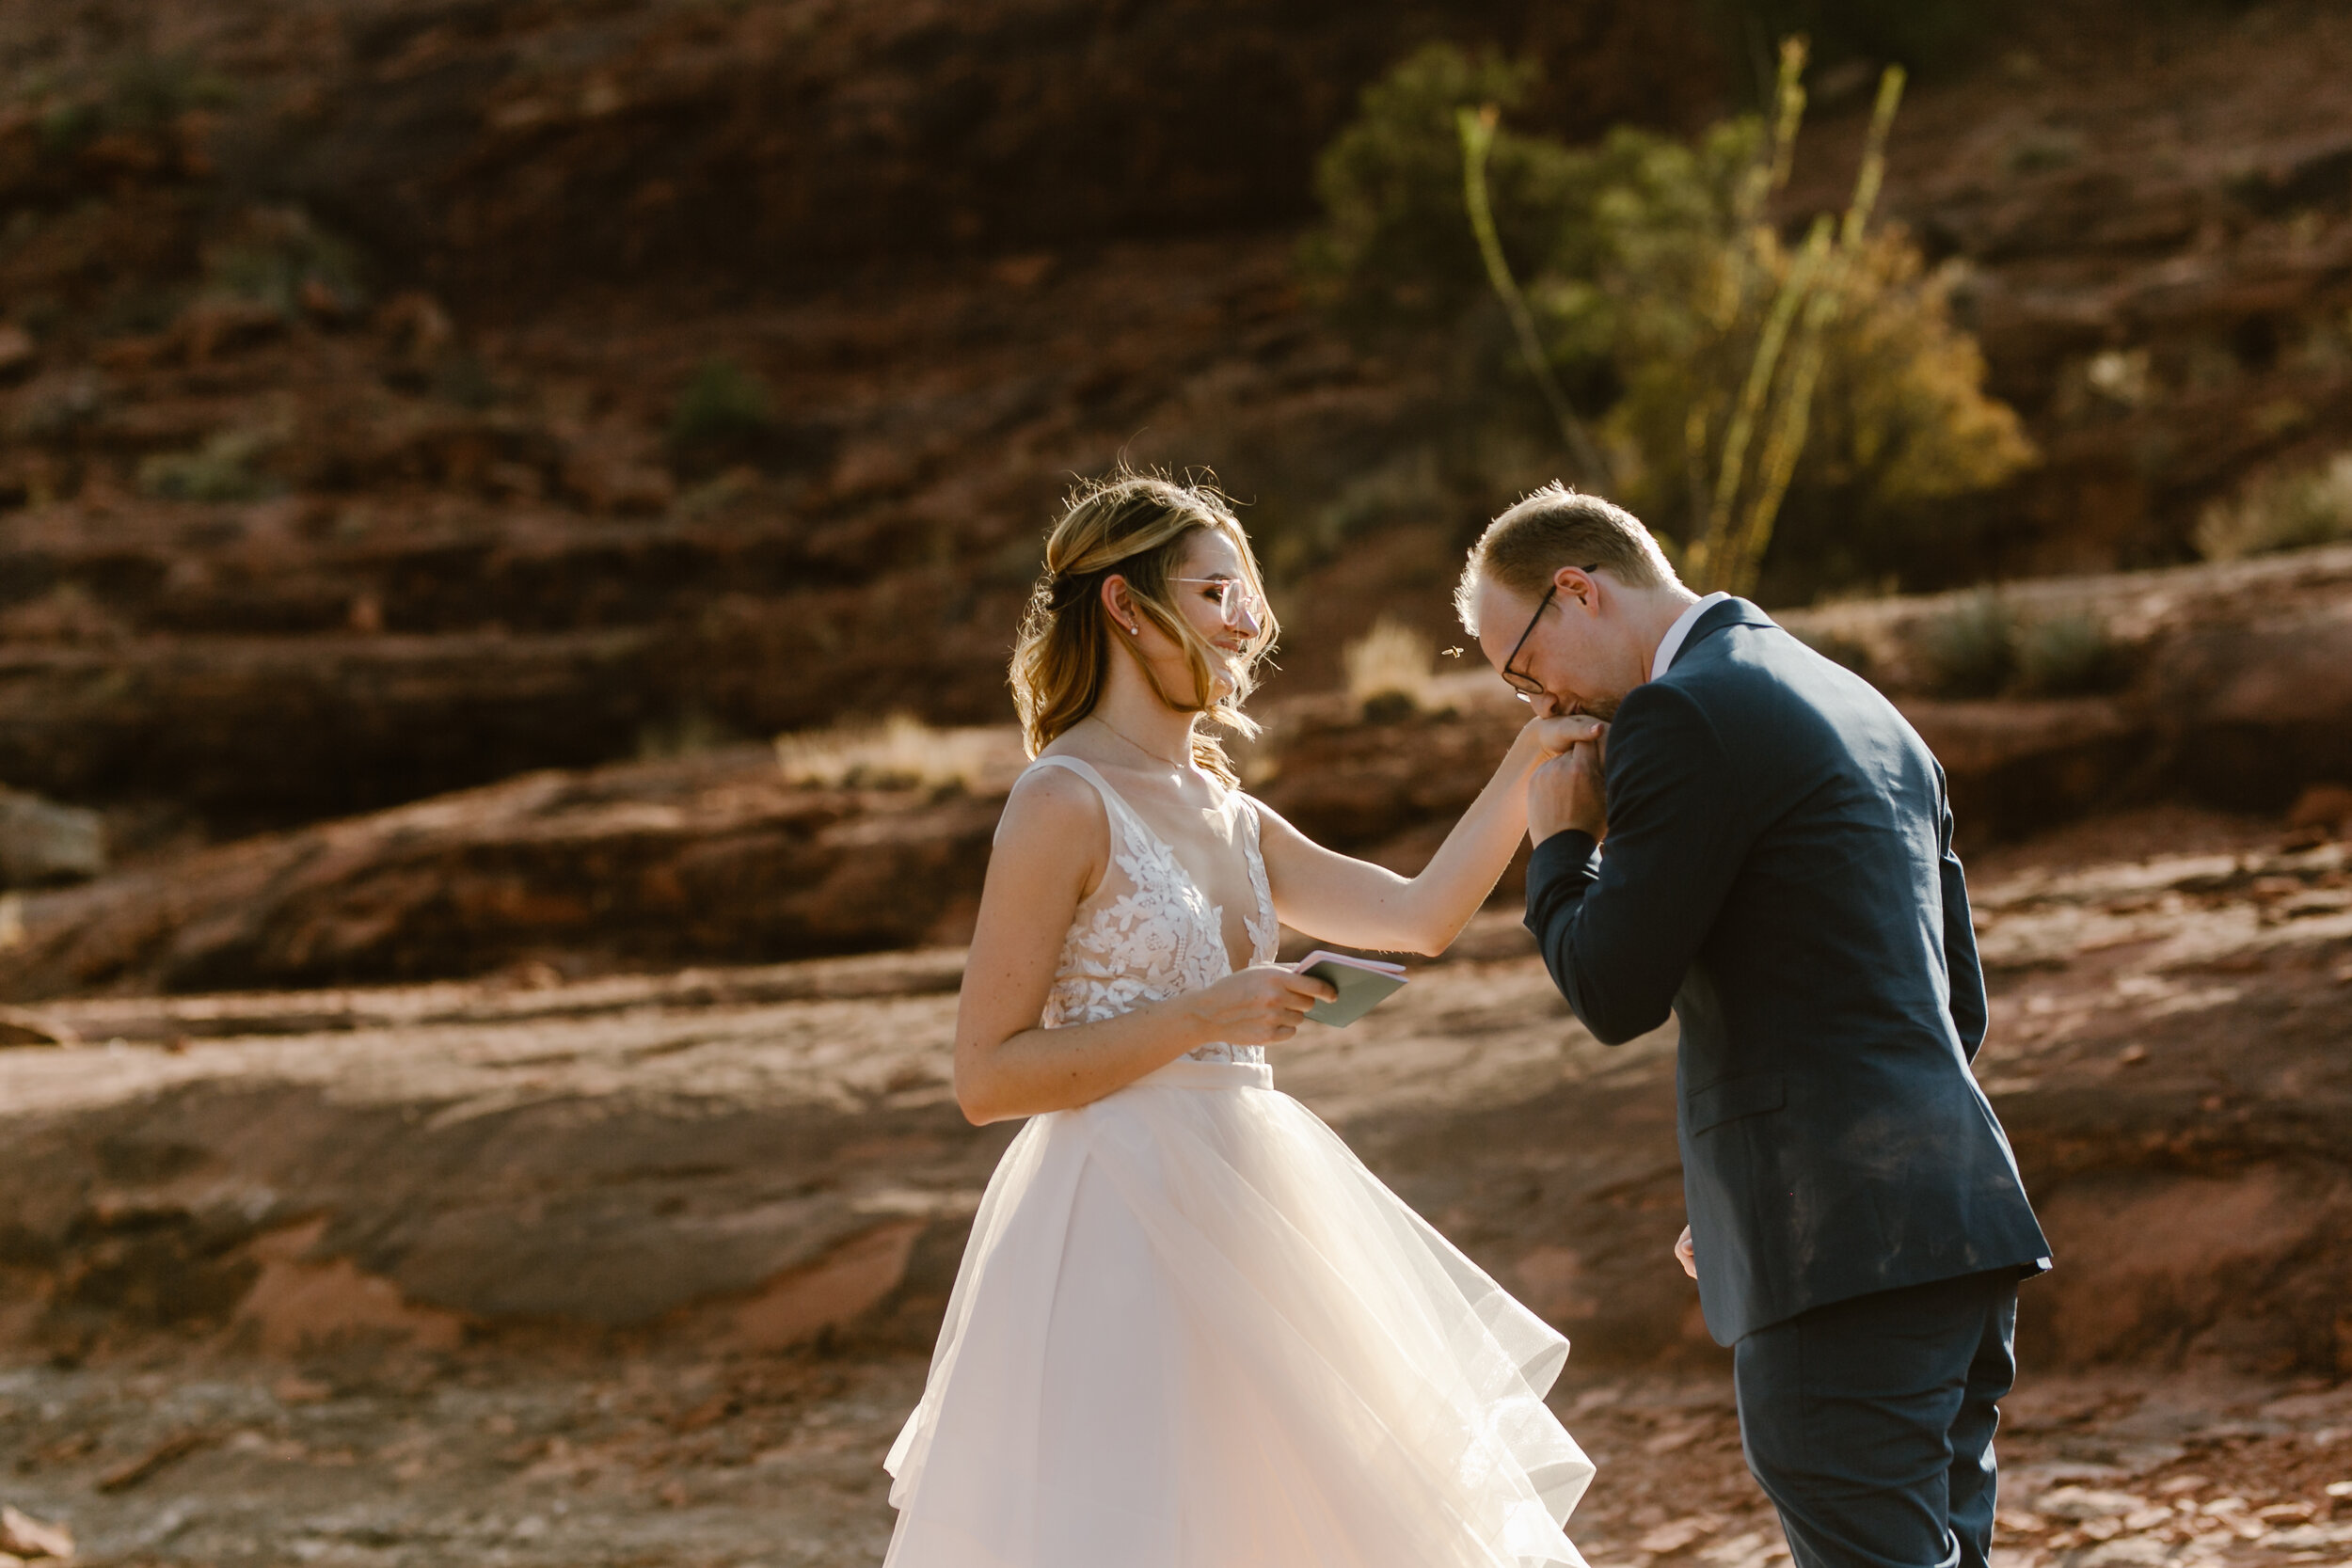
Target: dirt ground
<point x="642" y="1270"/>
<point x="776" y="1461"/>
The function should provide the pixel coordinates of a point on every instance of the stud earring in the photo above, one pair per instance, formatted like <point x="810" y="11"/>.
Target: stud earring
<point x="1134" y="631"/>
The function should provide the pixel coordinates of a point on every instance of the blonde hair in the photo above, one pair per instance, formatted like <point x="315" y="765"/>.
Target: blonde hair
<point x="1553" y="527"/>
<point x="1135" y="524"/>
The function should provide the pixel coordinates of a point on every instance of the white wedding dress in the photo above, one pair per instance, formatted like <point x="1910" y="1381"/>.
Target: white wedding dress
<point x="1191" y="1330"/>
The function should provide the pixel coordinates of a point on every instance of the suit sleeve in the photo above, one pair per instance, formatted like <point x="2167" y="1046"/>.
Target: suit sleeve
<point x="1960" y="963"/>
<point x="1618" y="931"/>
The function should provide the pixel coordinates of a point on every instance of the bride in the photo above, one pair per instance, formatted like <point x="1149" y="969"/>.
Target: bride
<point x="1190" y="1329"/>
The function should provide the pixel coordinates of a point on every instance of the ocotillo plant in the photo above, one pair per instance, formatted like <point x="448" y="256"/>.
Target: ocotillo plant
<point x="1730" y="551"/>
<point x="1794" y="300"/>
<point x="1477" y="129"/>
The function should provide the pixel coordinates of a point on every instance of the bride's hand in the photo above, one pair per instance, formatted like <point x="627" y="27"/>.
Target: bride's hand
<point x="1258" y="1006"/>
<point x="1555" y="735"/>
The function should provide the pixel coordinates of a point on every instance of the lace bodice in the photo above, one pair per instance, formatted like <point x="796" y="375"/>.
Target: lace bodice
<point x="1149" y="933"/>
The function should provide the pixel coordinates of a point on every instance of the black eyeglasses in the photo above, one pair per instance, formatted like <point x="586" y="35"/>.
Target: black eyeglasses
<point x="1528" y="687"/>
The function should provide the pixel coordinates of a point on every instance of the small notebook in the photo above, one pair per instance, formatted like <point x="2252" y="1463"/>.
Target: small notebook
<point x="1363" y="984"/>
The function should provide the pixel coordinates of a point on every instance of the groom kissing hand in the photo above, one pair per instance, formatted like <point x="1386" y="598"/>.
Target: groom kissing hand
<point x="1780" y="878"/>
<point x="1569" y="791"/>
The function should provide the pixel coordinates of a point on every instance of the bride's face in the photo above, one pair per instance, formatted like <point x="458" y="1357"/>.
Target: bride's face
<point x="1226" y="619"/>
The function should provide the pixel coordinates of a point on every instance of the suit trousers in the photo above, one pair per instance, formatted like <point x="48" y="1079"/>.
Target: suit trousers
<point x="1869" y="1422"/>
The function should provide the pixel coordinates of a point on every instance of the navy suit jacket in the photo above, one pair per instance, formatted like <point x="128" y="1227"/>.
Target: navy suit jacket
<point x="1779" y="872"/>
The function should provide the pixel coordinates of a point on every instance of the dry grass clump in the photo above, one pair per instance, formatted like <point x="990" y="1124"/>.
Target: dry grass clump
<point x="1389" y="671"/>
<point x="2289" y="511"/>
<point x="900" y="752"/>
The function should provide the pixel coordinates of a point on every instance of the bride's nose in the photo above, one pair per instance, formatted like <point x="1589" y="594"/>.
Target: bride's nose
<point x="1245" y="617"/>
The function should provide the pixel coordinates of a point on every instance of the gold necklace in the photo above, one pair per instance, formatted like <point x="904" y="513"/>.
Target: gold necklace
<point x="1138" y="745"/>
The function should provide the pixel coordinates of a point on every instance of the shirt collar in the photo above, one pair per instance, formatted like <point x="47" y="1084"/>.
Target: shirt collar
<point x="1679" y="633"/>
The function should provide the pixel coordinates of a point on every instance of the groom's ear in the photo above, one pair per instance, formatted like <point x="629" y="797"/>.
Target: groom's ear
<point x="1577" y="584"/>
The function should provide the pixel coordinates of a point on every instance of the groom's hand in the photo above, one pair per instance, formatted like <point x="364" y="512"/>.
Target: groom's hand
<point x="1686" y="1253"/>
<point x="1569" y="791"/>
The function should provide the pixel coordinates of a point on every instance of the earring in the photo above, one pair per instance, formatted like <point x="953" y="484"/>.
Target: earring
<point x="1134" y="631"/>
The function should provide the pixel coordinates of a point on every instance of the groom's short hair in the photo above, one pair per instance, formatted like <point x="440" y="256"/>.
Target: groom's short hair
<point x="1557" y="527"/>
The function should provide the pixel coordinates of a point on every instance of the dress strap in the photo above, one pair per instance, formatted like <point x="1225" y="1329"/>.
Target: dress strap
<point x="1124" y="822"/>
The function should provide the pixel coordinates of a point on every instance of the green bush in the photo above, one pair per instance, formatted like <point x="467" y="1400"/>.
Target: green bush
<point x="2288" y="511"/>
<point x="1970" y="650"/>
<point x="1650" y="292"/>
<point x="224" y="469"/>
<point x="1983" y="647"/>
<point x="724" y="403"/>
<point x="145" y="92"/>
<point x="2070" y="655"/>
<point x="1394" y="239"/>
<point x="148" y="90"/>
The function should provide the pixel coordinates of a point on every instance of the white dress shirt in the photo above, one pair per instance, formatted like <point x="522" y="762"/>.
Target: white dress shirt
<point x="1679" y="633"/>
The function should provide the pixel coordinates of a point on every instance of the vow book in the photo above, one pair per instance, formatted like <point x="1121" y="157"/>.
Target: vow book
<point x="1362" y="984"/>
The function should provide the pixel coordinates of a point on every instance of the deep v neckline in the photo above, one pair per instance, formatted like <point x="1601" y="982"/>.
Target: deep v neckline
<point x="1253" y="862"/>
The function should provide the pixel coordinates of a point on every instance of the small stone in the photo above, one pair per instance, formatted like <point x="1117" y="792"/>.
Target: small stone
<point x="2326" y="807"/>
<point x="24" y="1536"/>
<point x="43" y="841"/>
<point x="1676" y="1534"/>
<point x="2083" y="1503"/>
<point x="18" y="352"/>
<point x="2129" y="1551"/>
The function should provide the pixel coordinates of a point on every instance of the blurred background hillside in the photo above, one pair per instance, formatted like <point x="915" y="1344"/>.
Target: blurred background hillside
<point x="402" y="395"/>
<point x="512" y="511"/>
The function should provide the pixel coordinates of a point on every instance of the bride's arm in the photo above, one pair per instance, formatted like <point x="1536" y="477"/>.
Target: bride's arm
<point x="1051" y="848"/>
<point x="1337" y="898"/>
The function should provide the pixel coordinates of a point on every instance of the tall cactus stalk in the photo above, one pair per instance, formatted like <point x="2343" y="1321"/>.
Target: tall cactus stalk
<point x="1731" y="555"/>
<point x="1476" y="127"/>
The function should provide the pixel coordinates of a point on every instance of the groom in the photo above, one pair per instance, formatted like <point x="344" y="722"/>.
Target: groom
<point x="1779" y="872"/>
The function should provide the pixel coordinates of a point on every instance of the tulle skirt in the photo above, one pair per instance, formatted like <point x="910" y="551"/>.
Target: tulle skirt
<point x="1191" y="1330"/>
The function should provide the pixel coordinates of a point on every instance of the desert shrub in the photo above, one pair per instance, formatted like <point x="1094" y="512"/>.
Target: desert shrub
<point x="1970" y="650"/>
<point x="144" y="92"/>
<point x="2070" y="655"/>
<point x="723" y="403"/>
<point x="1393" y="241"/>
<point x="466" y="381"/>
<point x="2287" y="510"/>
<point x="278" y="257"/>
<point x="149" y="90"/>
<point x="1651" y="286"/>
<point x="1899" y="424"/>
<point x="1389" y="671"/>
<point x="224" y="469"/>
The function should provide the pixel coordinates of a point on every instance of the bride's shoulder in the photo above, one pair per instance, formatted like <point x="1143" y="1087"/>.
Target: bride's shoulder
<point x="1051" y="799"/>
<point x="1055" y="832"/>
